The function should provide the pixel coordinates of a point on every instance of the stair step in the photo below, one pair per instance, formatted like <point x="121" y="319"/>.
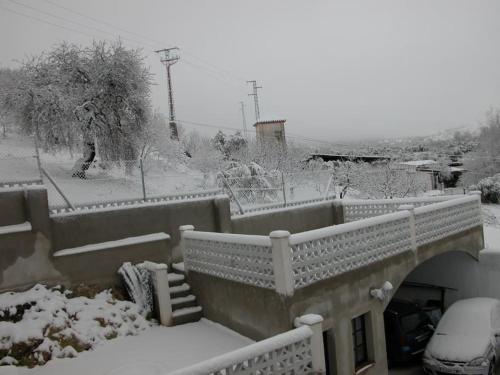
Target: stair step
<point x="187" y="315"/>
<point x="175" y="279"/>
<point x="179" y="291"/>
<point x="183" y="302"/>
<point x="179" y="268"/>
<point x="16" y="228"/>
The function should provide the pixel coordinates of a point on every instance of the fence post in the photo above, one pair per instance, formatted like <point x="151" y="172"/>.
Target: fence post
<point x="413" y="230"/>
<point x="328" y="187"/>
<point x="314" y="322"/>
<point x="338" y="212"/>
<point x="142" y="179"/>
<point x="182" y="244"/>
<point x="282" y="262"/>
<point x="233" y="195"/>
<point x="58" y="189"/>
<point x="283" y="188"/>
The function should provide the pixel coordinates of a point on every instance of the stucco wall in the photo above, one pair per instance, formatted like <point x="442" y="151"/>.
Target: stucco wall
<point x="292" y="219"/>
<point x="27" y="257"/>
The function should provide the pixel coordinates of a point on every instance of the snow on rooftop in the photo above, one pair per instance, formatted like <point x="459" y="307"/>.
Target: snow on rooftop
<point x="271" y="118"/>
<point x="418" y="163"/>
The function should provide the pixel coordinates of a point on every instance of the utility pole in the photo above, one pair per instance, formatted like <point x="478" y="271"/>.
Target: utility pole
<point x="169" y="56"/>
<point x="255" y="98"/>
<point x="244" y="119"/>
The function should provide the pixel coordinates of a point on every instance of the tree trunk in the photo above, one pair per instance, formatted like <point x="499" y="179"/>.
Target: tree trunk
<point x="84" y="162"/>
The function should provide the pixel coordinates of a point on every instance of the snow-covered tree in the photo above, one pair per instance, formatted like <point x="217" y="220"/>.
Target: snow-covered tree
<point x="93" y="98"/>
<point x="485" y="162"/>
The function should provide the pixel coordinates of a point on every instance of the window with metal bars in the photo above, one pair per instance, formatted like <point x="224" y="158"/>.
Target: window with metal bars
<point x="359" y="341"/>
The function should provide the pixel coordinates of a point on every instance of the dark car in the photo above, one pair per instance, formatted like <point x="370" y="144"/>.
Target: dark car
<point x="407" y="330"/>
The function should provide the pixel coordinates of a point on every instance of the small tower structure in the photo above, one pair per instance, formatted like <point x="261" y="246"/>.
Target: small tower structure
<point x="271" y="131"/>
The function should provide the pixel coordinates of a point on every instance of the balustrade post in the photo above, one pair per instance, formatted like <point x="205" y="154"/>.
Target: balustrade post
<point x="314" y="322"/>
<point x="413" y="230"/>
<point x="182" y="244"/>
<point x="161" y="287"/>
<point x="282" y="262"/>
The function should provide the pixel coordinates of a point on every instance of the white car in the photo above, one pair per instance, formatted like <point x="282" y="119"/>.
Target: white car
<point x="466" y="340"/>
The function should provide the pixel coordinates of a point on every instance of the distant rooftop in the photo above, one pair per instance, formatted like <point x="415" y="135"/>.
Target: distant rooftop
<point x="419" y="163"/>
<point x="270" y="119"/>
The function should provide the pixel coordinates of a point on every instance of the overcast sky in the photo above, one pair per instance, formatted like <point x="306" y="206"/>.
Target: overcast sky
<point x="334" y="69"/>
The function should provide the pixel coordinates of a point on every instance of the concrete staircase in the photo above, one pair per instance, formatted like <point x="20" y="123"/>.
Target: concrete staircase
<point x="185" y="308"/>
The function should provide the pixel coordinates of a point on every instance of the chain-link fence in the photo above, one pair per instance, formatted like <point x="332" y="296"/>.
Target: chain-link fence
<point x="18" y="162"/>
<point x="249" y="193"/>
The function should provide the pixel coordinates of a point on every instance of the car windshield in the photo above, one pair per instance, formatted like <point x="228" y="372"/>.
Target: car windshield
<point x="466" y="319"/>
<point x="413" y="321"/>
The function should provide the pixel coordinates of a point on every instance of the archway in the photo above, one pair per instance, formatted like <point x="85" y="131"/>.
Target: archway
<point x="419" y="300"/>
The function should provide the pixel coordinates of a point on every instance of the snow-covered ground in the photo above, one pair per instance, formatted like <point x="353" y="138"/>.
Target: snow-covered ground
<point x="158" y="350"/>
<point x="60" y="334"/>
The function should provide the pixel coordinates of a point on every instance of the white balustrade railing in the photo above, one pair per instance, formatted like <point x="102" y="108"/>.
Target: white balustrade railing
<point x="287" y="262"/>
<point x="327" y="252"/>
<point x="361" y="209"/>
<point x="244" y="258"/>
<point x="298" y="351"/>
<point x="437" y="221"/>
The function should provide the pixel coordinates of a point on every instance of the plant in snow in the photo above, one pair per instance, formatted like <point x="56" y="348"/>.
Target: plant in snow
<point x="250" y="182"/>
<point x="485" y="162"/>
<point x="490" y="189"/>
<point x="95" y="97"/>
<point x="139" y="286"/>
<point x="44" y="323"/>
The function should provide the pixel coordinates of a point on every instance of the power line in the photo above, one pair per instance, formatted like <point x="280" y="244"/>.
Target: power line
<point x="45" y="21"/>
<point x="73" y="22"/>
<point x="102" y="21"/>
<point x="149" y="39"/>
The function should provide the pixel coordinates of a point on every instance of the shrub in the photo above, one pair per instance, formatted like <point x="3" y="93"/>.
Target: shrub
<point x="490" y="189"/>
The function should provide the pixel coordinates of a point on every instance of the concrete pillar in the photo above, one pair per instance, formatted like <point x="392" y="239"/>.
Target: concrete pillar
<point x="159" y="274"/>
<point x="183" y="229"/>
<point x="222" y="214"/>
<point x="338" y="212"/>
<point x="37" y="210"/>
<point x="314" y="322"/>
<point x="413" y="231"/>
<point x="282" y="262"/>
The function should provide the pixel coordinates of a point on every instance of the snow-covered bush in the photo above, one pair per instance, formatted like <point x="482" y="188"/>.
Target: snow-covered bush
<point x="44" y="323"/>
<point x="490" y="189"/>
<point x="250" y="182"/>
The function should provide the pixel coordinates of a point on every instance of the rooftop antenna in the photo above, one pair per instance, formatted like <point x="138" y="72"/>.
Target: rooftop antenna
<point x="169" y="56"/>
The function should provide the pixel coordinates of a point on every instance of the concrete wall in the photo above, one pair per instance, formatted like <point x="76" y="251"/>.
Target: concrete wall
<point x="12" y="209"/>
<point x="292" y="219"/>
<point x="27" y="257"/>
<point x="459" y="271"/>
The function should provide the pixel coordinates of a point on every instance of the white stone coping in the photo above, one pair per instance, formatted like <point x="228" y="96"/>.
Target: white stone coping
<point x="16" y="228"/>
<point x="108" y="245"/>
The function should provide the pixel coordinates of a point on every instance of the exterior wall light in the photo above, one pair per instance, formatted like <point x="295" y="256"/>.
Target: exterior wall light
<point x="382" y="293"/>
